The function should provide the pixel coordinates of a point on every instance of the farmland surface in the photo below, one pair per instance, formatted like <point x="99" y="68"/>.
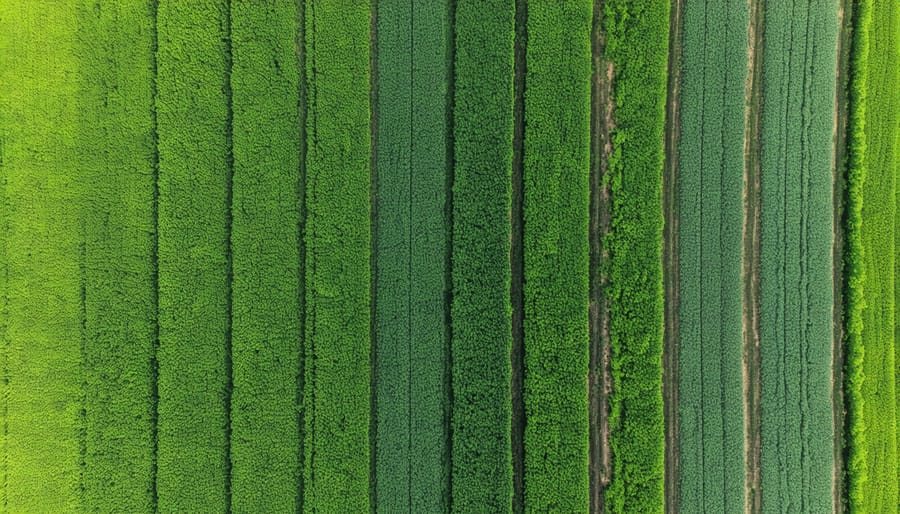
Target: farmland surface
<point x="604" y="256"/>
<point x="796" y="268"/>
<point x="412" y="227"/>
<point x="710" y="190"/>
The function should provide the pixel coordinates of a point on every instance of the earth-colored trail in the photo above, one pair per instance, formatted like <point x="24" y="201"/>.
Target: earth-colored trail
<point x="750" y="263"/>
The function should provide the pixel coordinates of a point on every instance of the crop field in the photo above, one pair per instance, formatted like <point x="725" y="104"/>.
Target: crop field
<point x="449" y="256"/>
<point x="710" y="188"/>
<point x="874" y="165"/>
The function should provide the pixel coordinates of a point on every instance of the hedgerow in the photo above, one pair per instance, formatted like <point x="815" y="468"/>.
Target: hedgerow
<point x="637" y="42"/>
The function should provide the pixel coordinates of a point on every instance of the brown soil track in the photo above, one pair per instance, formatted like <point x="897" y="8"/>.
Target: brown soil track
<point x="840" y="138"/>
<point x="599" y="377"/>
<point x="750" y="260"/>
<point x="670" y="260"/>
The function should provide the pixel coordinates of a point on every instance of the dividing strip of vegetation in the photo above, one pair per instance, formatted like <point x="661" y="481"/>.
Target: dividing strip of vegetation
<point x="556" y="215"/>
<point x="116" y="162"/>
<point x="337" y="349"/>
<point x="192" y="120"/>
<point x="637" y="43"/>
<point x="265" y="255"/>
<point x="411" y="166"/>
<point x="874" y="164"/>
<point x="796" y="271"/>
<point x="710" y="189"/>
<point x="481" y="311"/>
<point x="43" y="425"/>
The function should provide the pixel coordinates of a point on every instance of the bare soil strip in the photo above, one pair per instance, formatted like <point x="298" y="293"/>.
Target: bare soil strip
<point x="670" y="260"/>
<point x="517" y="263"/>
<point x="750" y="263"/>
<point x="845" y="10"/>
<point x="599" y="378"/>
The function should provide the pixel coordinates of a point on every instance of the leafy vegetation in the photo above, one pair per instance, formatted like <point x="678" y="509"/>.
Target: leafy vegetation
<point x="411" y="156"/>
<point x="337" y="272"/>
<point x="556" y="198"/>
<point x="873" y="167"/>
<point x="637" y="44"/>
<point x="265" y="291"/>
<point x="192" y="124"/>
<point x="796" y="255"/>
<point x="710" y="188"/>
<point x="481" y="311"/>
<point x="41" y="300"/>
<point x="116" y="168"/>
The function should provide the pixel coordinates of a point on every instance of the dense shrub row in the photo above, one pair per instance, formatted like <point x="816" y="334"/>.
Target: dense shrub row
<point x="637" y="42"/>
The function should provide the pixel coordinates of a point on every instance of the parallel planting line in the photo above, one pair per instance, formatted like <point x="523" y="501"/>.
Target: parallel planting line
<point x="265" y="255"/>
<point x="556" y="256"/>
<point x="796" y="243"/>
<point x="116" y="166"/>
<point x="637" y="44"/>
<point x="192" y="121"/>
<point x="481" y="311"/>
<point x="411" y="169"/>
<point x="710" y="205"/>
<point x="873" y="167"/>
<point x="336" y="353"/>
<point x="43" y="430"/>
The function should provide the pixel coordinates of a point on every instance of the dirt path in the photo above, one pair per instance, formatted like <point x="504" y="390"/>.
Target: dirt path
<point x="750" y="263"/>
<point x="840" y="135"/>
<point x="599" y="378"/>
<point x="517" y="263"/>
<point x="670" y="261"/>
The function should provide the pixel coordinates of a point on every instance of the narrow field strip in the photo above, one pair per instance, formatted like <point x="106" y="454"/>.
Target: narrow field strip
<point x="637" y="44"/>
<point x="556" y="245"/>
<point x="116" y="164"/>
<point x="266" y="316"/>
<point x="873" y="160"/>
<point x="336" y="346"/>
<point x="43" y="427"/>
<point x="710" y="189"/>
<point x="481" y="310"/>
<point x="796" y="268"/>
<point x="411" y="157"/>
<point x="194" y="182"/>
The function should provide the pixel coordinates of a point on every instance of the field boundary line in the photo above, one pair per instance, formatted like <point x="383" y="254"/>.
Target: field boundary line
<point x="750" y="262"/>
<point x="373" y="252"/>
<point x="517" y="258"/>
<point x="670" y="261"/>
<point x="302" y="111"/>
<point x="154" y="259"/>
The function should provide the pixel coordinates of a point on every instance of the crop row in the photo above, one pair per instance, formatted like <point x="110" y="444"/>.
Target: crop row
<point x="194" y="160"/>
<point x="115" y="167"/>
<point x="481" y="313"/>
<point x="41" y="387"/>
<point x="411" y="166"/>
<point x="871" y="382"/>
<point x="796" y="270"/>
<point x="710" y="188"/>
<point x="637" y="43"/>
<point x="556" y="198"/>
